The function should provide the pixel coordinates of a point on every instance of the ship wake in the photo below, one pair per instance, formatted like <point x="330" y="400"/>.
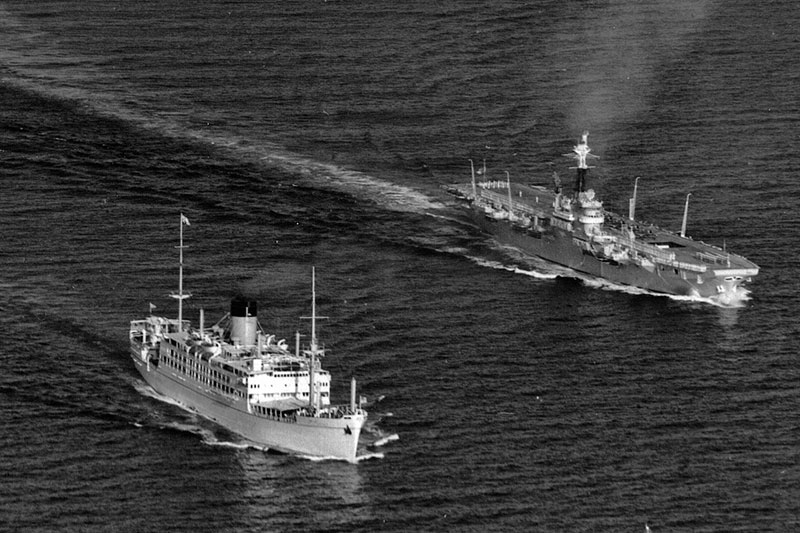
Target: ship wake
<point x="146" y="390"/>
<point x="191" y="424"/>
<point x="497" y="265"/>
<point x="319" y="174"/>
<point x="531" y="266"/>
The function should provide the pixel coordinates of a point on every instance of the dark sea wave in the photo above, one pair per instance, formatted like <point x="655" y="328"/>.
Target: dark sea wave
<point x="504" y="395"/>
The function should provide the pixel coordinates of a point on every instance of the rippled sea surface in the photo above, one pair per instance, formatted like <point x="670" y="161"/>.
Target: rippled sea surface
<point x="300" y="134"/>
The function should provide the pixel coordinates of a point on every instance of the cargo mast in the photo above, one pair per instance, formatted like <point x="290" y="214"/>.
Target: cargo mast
<point x="180" y="296"/>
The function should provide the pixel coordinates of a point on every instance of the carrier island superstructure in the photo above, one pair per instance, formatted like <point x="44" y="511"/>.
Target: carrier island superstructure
<point x="240" y="377"/>
<point x="571" y="228"/>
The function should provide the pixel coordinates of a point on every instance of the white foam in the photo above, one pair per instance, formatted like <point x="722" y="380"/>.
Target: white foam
<point x="212" y="441"/>
<point x="359" y="458"/>
<point x="206" y="435"/>
<point x="724" y="300"/>
<point x="386" y="440"/>
<point x="209" y="437"/>
<point x="146" y="390"/>
<point x="369" y="456"/>
<point x="511" y="268"/>
<point x="370" y="403"/>
<point x="318" y="459"/>
<point x="735" y="299"/>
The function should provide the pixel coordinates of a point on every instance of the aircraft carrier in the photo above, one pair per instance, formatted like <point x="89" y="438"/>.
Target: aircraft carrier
<point x="572" y="229"/>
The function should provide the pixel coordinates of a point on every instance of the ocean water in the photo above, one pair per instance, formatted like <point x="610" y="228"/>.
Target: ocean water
<point x="504" y="396"/>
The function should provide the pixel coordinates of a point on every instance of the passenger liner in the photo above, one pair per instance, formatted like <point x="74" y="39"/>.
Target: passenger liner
<point x="572" y="229"/>
<point x="238" y="376"/>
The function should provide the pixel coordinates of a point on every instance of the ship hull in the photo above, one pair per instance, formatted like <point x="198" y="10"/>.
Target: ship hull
<point x="556" y="246"/>
<point x="304" y="435"/>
